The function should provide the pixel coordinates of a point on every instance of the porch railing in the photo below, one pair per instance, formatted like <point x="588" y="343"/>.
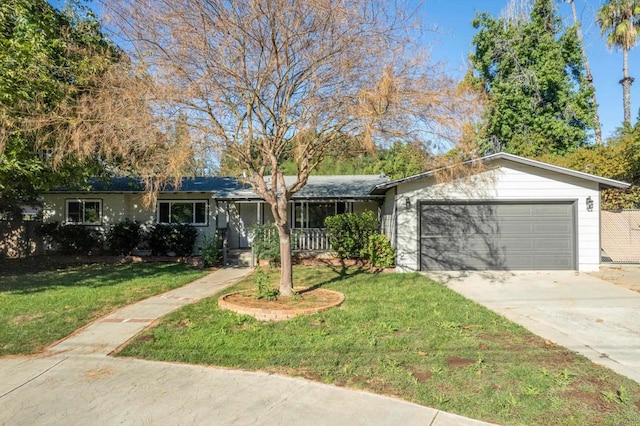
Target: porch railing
<point x="310" y="239"/>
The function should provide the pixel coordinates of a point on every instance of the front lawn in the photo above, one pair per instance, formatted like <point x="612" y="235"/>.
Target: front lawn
<point x="406" y="336"/>
<point x="36" y="309"/>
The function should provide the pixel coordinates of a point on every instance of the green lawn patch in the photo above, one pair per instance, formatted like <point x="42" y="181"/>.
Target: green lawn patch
<point x="36" y="309"/>
<point x="406" y="336"/>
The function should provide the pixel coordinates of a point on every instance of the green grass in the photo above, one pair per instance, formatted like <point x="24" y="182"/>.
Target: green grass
<point x="36" y="309"/>
<point x="398" y="334"/>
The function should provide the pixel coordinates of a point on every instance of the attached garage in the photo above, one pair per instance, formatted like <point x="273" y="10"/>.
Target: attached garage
<point x="495" y="236"/>
<point x="508" y="213"/>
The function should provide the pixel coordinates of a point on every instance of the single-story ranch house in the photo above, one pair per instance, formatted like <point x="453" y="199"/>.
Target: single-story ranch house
<point x="513" y="213"/>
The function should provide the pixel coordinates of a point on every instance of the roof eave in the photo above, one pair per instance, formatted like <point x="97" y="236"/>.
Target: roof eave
<point x="604" y="182"/>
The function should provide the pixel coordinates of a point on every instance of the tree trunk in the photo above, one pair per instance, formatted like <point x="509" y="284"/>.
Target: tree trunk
<point x="286" y="265"/>
<point x="626" y="87"/>
<point x="596" y="116"/>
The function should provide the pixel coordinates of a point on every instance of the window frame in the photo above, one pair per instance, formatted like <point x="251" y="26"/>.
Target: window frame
<point x="193" y="203"/>
<point x="82" y="202"/>
<point x="301" y="208"/>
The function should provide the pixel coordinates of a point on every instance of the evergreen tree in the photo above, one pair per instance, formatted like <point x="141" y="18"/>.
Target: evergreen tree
<point x="532" y="73"/>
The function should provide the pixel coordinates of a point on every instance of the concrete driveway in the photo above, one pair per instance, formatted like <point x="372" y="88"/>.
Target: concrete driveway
<point x="575" y="310"/>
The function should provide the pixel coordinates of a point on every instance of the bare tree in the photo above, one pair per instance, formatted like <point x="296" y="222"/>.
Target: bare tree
<point x="112" y="121"/>
<point x="268" y="80"/>
<point x="517" y="11"/>
<point x="587" y="68"/>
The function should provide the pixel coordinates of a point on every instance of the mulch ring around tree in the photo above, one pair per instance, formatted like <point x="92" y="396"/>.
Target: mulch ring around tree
<point x="307" y="301"/>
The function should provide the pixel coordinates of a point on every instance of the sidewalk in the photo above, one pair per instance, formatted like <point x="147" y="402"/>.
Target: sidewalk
<point x="75" y="383"/>
<point x="107" y="334"/>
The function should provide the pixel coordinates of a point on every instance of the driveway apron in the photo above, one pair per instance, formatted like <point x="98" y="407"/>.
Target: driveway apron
<point x="585" y="314"/>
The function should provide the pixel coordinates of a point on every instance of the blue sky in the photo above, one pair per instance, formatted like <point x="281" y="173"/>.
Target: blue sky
<point x="451" y="42"/>
<point x="451" y="35"/>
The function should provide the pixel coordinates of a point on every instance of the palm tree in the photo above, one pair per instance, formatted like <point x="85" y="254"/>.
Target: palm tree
<point x="618" y="19"/>
<point x="587" y="69"/>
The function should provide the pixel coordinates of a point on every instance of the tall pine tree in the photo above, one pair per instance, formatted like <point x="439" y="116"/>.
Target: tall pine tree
<point x="532" y="73"/>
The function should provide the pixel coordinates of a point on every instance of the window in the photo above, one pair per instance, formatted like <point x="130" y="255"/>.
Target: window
<point x="190" y="212"/>
<point x="84" y="212"/>
<point x="312" y="215"/>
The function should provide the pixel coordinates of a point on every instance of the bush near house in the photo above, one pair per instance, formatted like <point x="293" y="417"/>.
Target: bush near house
<point x="123" y="237"/>
<point x="349" y="233"/>
<point x="175" y="239"/>
<point x="266" y="242"/>
<point x="356" y="236"/>
<point x="380" y="253"/>
<point x="211" y="250"/>
<point x="71" y="239"/>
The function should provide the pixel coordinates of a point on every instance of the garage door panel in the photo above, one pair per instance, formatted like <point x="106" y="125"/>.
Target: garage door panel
<point x="497" y="236"/>
<point x="552" y="228"/>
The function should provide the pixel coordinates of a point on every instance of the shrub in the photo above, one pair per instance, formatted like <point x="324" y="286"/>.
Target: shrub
<point x="172" y="238"/>
<point x="380" y="252"/>
<point x="266" y="242"/>
<point x="349" y="233"/>
<point x="264" y="290"/>
<point x="123" y="237"/>
<point x="211" y="250"/>
<point x="73" y="239"/>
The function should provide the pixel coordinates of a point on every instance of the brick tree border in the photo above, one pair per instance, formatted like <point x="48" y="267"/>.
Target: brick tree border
<point x="264" y="314"/>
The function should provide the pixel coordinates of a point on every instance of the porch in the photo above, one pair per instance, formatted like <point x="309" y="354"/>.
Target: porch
<point x="307" y="240"/>
<point x="235" y="218"/>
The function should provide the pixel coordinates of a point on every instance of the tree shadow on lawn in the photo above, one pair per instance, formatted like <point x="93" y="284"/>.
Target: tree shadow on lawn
<point x="342" y="271"/>
<point x="86" y="275"/>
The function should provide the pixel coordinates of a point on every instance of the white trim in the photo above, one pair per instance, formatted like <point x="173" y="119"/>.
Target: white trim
<point x="82" y="202"/>
<point x="193" y="211"/>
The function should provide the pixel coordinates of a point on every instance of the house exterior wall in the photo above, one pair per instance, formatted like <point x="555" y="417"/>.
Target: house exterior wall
<point x="507" y="181"/>
<point x="119" y="207"/>
<point x="388" y="216"/>
<point x="363" y="206"/>
<point x="114" y="206"/>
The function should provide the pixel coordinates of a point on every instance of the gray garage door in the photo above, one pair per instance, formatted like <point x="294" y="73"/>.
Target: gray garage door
<point x="497" y="236"/>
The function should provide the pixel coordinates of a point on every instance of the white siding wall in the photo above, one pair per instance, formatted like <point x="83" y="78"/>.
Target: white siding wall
<point x="114" y="206"/>
<point x="118" y="207"/>
<point x="510" y="181"/>
<point x="387" y="220"/>
<point x="363" y="206"/>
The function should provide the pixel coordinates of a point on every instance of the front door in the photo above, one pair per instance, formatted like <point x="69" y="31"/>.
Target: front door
<point x="243" y="215"/>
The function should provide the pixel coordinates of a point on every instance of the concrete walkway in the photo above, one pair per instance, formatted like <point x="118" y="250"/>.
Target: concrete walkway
<point x="578" y="311"/>
<point x="75" y="383"/>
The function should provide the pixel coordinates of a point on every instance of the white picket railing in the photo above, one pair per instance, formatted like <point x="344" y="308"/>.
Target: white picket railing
<point x="310" y="239"/>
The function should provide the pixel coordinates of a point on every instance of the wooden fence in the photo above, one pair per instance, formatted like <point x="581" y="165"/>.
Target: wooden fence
<point x="620" y="236"/>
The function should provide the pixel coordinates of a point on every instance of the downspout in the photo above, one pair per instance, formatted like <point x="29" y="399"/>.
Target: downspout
<point x="394" y="215"/>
